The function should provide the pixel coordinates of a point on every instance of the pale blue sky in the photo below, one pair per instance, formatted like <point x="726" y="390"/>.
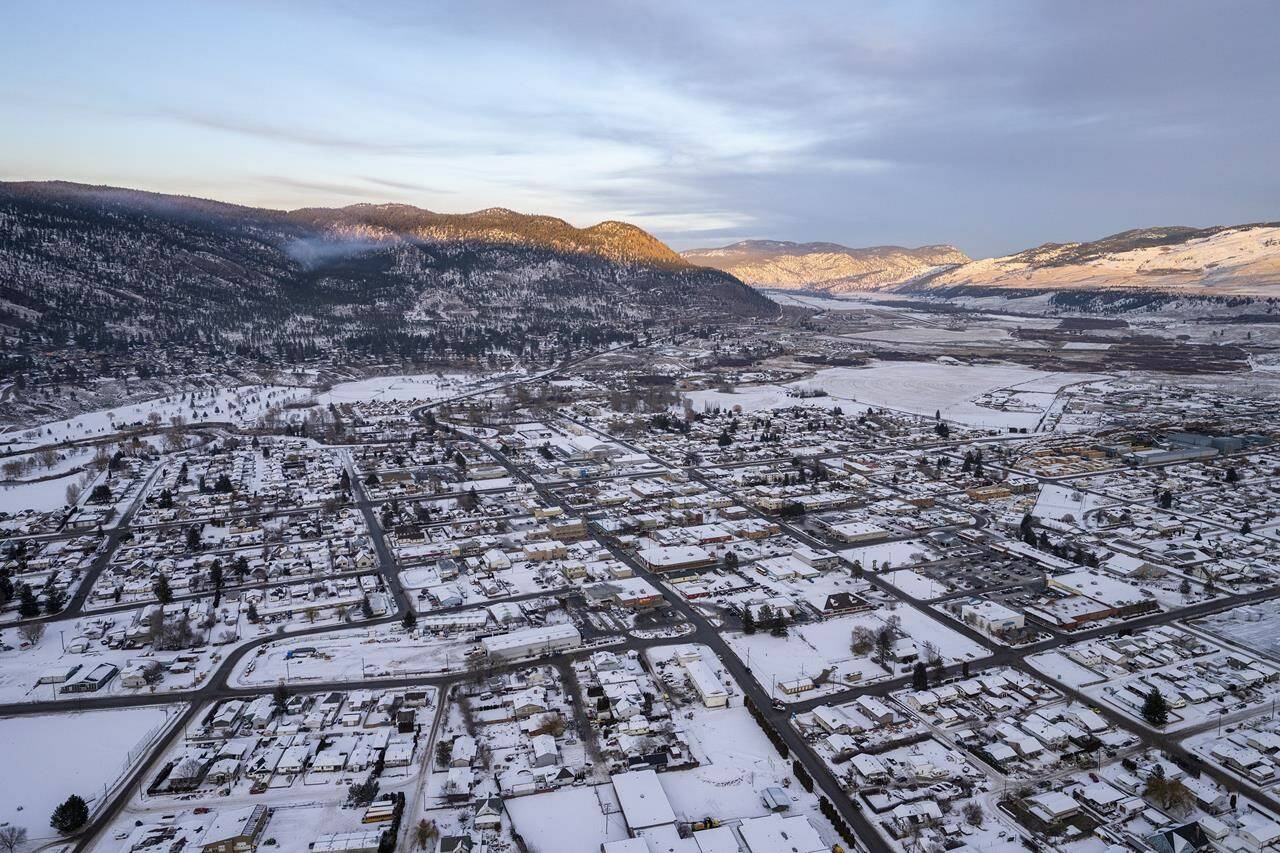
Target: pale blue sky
<point x="991" y="125"/>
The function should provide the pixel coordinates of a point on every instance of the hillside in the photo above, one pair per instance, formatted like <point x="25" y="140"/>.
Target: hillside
<point x="110" y="268"/>
<point x="827" y="267"/>
<point x="1242" y="260"/>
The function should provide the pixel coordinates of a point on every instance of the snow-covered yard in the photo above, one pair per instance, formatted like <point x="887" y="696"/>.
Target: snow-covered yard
<point x="73" y="757"/>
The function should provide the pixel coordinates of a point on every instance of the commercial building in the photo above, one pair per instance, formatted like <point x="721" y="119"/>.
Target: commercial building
<point x="544" y="640"/>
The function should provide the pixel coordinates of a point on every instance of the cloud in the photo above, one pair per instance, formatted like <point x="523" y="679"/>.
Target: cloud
<point x="994" y="124"/>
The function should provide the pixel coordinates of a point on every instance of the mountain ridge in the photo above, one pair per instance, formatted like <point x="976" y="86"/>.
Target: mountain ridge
<point x="829" y="267"/>
<point x="110" y="268"/>
<point x="1227" y="260"/>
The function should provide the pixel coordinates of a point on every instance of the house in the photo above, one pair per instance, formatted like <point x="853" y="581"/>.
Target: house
<point x="545" y="753"/>
<point x="870" y="767"/>
<point x="91" y="681"/>
<point x="1186" y="838"/>
<point x="488" y="813"/>
<point x="235" y="830"/>
<point x="1052" y="806"/>
<point x="840" y="603"/>
<point x="918" y="813"/>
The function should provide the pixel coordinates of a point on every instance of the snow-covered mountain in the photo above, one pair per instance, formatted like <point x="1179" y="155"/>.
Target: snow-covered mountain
<point x="107" y="268"/>
<point x="1240" y="260"/>
<point x="827" y="267"/>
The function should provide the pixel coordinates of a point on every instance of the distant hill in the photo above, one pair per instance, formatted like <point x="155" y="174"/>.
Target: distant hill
<point x="1237" y="260"/>
<point x="828" y="267"/>
<point x="107" y="268"/>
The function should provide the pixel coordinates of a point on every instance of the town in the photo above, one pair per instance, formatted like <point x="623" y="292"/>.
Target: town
<point x="652" y="599"/>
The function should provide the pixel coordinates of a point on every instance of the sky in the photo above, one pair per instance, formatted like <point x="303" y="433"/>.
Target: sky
<point x="993" y="126"/>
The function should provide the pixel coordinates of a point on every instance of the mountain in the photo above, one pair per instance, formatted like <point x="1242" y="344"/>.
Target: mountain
<point x="824" y="266"/>
<point x="109" y="269"/>
<point x="1239" y="260"/>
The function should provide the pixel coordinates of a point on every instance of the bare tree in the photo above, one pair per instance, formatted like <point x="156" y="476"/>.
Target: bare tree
<point x="12" y="837"/>
<point x="31" y="632"/>
<point x="424" y="832"/>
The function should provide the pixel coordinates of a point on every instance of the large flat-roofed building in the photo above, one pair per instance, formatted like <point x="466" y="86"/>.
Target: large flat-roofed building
<point x="705" y="681"/>
<point x="544" y="640"/>
<point x="991" y="616"/>
<point x="777" y="834"/>
<point x="670" y="558"/>
<point x="635" y="593"/>
<point x="644" y="804"/>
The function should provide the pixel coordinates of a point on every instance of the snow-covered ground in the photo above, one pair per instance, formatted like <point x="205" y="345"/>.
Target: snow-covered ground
<point x="920" y="388"/>
<point x="812" y="647"/>
<point x="1065" y="504"/>
<point x="40" y="496"/>
<point x="428" y="386"/>
<point x="382" y="652"/>
<point x="72" y="757"/>
<point x="242" y="404"/>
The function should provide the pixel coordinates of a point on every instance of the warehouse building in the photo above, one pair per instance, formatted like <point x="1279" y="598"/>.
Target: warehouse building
<point x="532" y="642"/>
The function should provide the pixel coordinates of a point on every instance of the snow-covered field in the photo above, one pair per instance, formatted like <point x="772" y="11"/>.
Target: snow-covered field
<point x="242" y="404"/>
<point x="822" y="303"/>
<point x="430" y="386"/>
<point x="41" y="496"/>
<point x="920" y="388"/>
<point x="812" y="647"/>
<point x="926" y="387"/>
<point x="73" y="757"/>
<point x="1063" y="503"/>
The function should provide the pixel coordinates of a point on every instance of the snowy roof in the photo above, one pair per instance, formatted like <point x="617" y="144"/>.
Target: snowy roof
<point x="778" y="834"/>
<point x="644" y="803"/>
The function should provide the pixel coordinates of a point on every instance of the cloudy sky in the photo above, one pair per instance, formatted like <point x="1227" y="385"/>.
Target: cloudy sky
<point x="990" y="125"/>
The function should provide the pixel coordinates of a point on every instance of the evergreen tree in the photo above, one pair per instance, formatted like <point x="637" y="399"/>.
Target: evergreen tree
<point x="27" y="604"/>
<point x="280" y="698"/>
<point x="748" y="621"/>
<point x="164" y="593"/>
<point x="54" y="600"/>
<point x="410" y="619"/>
<point x="1155" y="710"/>
<point x="778" y="626"/>
<point x="919" y="677"/>
<point x="70" y="815"/>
